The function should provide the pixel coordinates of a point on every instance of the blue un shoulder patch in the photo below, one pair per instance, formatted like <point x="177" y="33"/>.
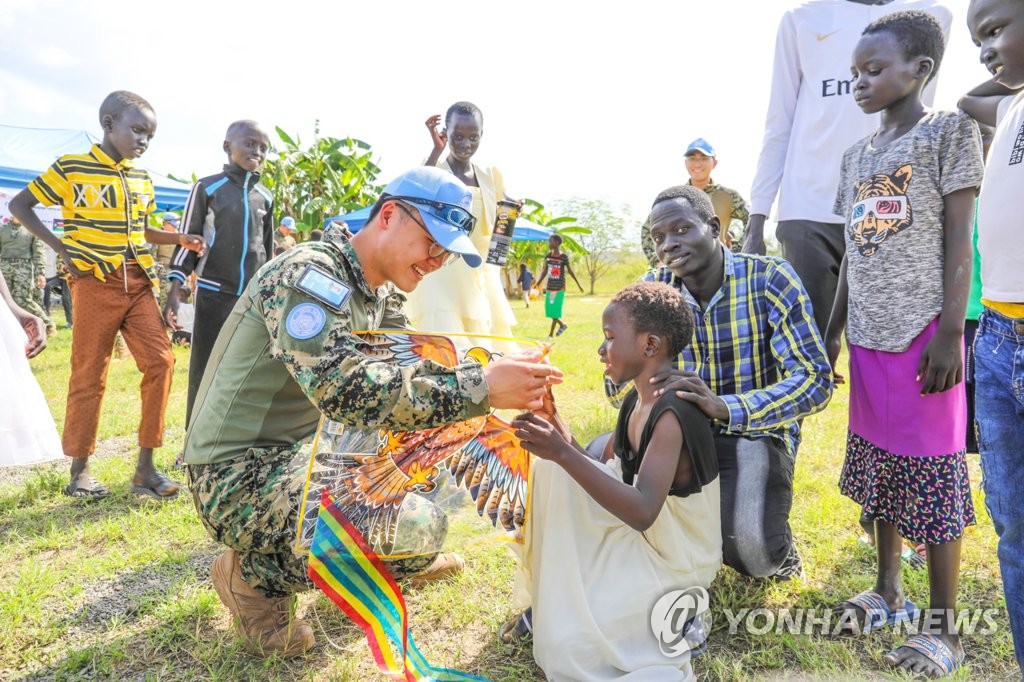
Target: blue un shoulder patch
<point x="305" y="321"/>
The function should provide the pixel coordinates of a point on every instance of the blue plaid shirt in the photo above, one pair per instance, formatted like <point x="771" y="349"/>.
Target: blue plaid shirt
<point x="757" y="347"/>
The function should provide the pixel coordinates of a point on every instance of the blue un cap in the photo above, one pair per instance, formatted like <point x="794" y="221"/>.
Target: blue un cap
<point x="700" y="145"/>
<point x="444" y="203"/>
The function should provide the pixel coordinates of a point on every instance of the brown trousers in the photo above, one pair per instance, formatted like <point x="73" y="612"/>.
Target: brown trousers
<point x="101" y="309"/>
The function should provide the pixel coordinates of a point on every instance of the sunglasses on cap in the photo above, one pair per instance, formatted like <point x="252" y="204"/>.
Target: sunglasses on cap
<point x="456" y="216"/>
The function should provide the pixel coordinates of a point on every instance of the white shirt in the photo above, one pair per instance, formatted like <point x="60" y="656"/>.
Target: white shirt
<point x="1000" y="240"/>
<point x="812" y="118"/>
<point x="186" y="317"/>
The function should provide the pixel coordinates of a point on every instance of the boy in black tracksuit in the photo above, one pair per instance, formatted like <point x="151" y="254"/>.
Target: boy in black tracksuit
<point x="232" y="210"/>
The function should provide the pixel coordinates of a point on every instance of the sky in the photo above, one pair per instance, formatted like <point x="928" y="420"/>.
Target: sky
<point x="595" y="100"/>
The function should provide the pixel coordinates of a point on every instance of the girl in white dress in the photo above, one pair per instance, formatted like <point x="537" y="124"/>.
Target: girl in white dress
<point x="606" y="541"/>
<point x="27" y="431"/>
<point x="459" y="299"/>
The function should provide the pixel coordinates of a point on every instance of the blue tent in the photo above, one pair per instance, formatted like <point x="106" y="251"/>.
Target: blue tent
<point x="27" y="152"/>
<point x="526" y="231"/>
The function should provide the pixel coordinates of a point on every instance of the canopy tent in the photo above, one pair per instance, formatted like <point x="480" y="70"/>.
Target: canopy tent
<point x="27" y="152"/>
<point x="526" y="231"/>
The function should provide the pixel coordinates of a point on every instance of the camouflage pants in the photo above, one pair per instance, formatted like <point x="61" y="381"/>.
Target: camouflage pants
<point x="21" y="280"/>
<point x="251" y="504"/>
<point x="165" y="284"/>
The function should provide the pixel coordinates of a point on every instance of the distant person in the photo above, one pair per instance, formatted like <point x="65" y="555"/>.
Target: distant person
<point x="169" y="222"/>
<point x="186" y="318"/>
<point x="701" y="159"/>
<point x="286" y="230"/>
<point x="812" y="119"/>
<point x="552" y="278"/>
<point x="57" y="282"/>
<point x="605" y="540"/>
<point x="525" y="282"/>
<point x="461" y="299"/>
<point x="23" y="264"/>
<point x="235" y="210"/>
<point x="27" y="431"/>
<point x="104" y="248"/>
<point x="997" y="27"/>
<point x="316" y="235"/>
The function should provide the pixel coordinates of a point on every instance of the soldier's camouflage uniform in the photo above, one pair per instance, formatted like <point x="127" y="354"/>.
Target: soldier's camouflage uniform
<point x="729" y="206"/>
<point x="281" y="359"/>
<point x="22" y="261"/>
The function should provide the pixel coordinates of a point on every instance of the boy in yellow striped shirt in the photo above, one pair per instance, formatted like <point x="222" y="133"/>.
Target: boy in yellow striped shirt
<point x="105" y="202"/>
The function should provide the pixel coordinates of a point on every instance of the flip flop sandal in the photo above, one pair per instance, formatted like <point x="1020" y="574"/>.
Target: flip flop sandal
<point x="877" y="611"/>
<point x="519" y="629"/>
<point x="162" y="489"/>
<point x="87" y="488"/>
<point x="935" y="650"/>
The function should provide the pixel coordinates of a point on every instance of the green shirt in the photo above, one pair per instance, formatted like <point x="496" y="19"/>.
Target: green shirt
<point x="284" y="357"/>
<point x="17" y="243"/>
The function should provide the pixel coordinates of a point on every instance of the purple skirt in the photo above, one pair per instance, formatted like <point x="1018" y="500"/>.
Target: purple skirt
<point x="888" y="410"/>
<point x="905" y="462"/>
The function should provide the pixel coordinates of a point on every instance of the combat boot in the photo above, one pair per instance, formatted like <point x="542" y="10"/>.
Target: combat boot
<point x="264" y="623"/>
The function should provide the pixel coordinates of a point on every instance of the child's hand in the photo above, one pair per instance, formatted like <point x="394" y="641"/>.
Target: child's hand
<point x="440" y="137"/>
<point x="35" y="330"/>
<point x="540" y="436"/>
<point x="171" y="314"/>
<point x="71" y="268"/>
<point x="548" y="412"/>
<point x="192" y="242"/>
<point x="942" y="364"/>
<point x="833" y="345"/>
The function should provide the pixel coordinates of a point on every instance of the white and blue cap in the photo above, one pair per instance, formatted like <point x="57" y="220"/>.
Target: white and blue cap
<point x="289" y="222"/>
<point x="445" y="205"/>
<point x="700" y="145"/>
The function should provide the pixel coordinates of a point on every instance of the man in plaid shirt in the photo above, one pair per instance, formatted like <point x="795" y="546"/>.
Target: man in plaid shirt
<point x="756" y="367"/>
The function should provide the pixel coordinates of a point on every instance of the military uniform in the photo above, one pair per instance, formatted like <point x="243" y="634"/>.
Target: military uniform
<point x="283" y="357"/>
<point x="164" y="252"/>
<point x="729" y="205"/>
<point x="285" y="241"/>
<point x="22" y="261"/>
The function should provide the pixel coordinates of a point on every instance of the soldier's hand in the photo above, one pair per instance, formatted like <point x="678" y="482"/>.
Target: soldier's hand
<point x="520" y="381"/>
<point x="40" y="282"/>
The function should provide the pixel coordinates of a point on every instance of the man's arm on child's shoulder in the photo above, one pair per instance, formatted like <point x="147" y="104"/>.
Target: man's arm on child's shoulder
<point x="982" y="102"/>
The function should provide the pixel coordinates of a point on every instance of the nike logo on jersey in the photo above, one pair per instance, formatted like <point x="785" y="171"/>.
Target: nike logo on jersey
<point x="823" y="36"/>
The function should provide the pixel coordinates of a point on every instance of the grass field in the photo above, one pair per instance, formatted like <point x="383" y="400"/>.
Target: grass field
<point x="118" y="590"/>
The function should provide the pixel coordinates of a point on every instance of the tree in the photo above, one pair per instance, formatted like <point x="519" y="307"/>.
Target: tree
<point x="331" y="176"/>
<point x="606" y="233"/>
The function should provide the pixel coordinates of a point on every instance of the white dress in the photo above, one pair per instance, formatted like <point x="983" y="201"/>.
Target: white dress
<point x="27" y="432"/>
<point x="593" y="581"/>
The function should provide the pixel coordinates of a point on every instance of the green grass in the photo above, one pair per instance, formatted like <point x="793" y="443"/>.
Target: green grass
<point x="119" y="589"/>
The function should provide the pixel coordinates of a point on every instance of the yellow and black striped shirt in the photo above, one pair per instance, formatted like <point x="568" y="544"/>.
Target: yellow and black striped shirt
<point x="105" y="205"/>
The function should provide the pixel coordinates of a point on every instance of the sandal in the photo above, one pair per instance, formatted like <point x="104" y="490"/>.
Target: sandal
<point x="519" y="629"/>
<point x="932" y="648"/>
<point x="86" y="487"/>
<point x="159" y="487"/>
<point x="877" y="613"/>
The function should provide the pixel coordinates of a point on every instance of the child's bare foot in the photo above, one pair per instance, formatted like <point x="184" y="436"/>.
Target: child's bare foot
<point x="930" y="654"/>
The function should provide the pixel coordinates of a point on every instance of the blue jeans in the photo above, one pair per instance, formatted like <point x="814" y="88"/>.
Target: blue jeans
<point x="999" y="412"/>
